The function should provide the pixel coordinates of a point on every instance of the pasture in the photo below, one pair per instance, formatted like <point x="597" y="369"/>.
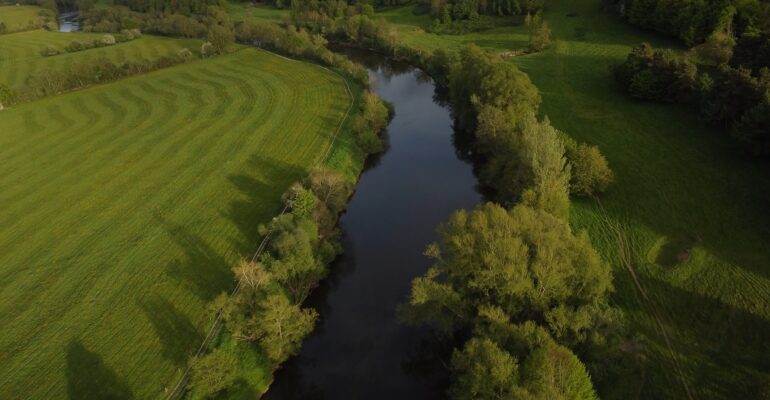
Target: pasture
<point x="412" y="30"/>
<point x="693" y="265"/>
<point x="20" y="54"/>
<point x="124" y="206"/>
<point x="21" y="18"/>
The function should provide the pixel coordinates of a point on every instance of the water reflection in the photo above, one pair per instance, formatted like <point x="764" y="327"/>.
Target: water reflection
<point x="69" y="21"/>
<point x="359" y="350"/>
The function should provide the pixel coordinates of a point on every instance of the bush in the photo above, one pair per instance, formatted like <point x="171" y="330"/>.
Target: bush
<point x="207" y="49"/>
<point x="370" y="123"/>
<point x="591" y="173"/>
<point x="49" y="51"/>
<point x="74" y="46"/>
<point x="108" y="40"/>
<point x="185" y="54"/>
<point x="656" y="75"/>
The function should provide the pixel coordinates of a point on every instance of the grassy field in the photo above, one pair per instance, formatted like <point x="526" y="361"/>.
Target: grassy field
<point x="239" y="12"/>
<point x="20" y="52"/>
<point x="124" y="206"/>
<point x="411" y="30"/>
<point x="21" y="18"/>
<point x="693" y="267"/>
<point x="692" y="209"/>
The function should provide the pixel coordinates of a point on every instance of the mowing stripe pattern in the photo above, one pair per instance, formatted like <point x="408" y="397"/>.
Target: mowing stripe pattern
<point x="123" y="207"/>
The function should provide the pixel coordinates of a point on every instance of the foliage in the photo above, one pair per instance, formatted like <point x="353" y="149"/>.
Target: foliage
<point x="591" y="173"/>
<point x="480" y="79"/>
<point x="483" y="371"/>
<point x="656" y="75"/>
<point x="6" y="96"/>
<point x="525" y="161"/>
<point x="539" y="33"/>
<point x="281" y="327"/>
<point x="141" y="144"/>
<point x="554" y="372"/>
<point x="220" y="37"/>
<point x="752" y="51"/>
<point x="212" y="373"/>
<point x="524" y="261"/>
<point x="370" y="122"/>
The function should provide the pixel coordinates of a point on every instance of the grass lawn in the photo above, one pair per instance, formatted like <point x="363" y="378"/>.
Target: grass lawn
<point x="239" y="12"/>
<point x="21" y="18"/>
<point x="411" y="30"/>
<point x="20" y="52"/>
<point x="692" y="208"/>
<point x="124" y="206"/>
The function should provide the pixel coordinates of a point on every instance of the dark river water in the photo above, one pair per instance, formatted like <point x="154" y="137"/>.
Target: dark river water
<point x="359" y="350"/>
<point x="69" y="21"/>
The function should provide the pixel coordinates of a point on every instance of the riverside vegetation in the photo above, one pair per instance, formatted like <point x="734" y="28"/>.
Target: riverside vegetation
<point x="165" y="273"/>
<point x="520" y="285"/>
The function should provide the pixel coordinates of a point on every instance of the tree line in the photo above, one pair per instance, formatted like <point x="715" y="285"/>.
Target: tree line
<point x="524" y="296"/>
<point x="734" y="96"/>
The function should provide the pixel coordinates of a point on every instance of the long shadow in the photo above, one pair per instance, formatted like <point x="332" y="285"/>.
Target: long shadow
<point x="261" y="184"/>
<point x="178" y="336"/>
<point x="722" y="350"/>
<point x="202" y="269"/>
<point x="89" y="378"/>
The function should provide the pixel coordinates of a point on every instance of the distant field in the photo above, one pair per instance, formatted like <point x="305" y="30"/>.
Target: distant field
<point x="124" y="205"/>
<point x="694" y="209"/>
<point x="239" y="12"/>
<point x="20" y="52"/>
<point x="412" y="31"/>
<point x="21" y="18"/>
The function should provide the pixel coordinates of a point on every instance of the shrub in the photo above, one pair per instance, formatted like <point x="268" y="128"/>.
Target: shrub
<point x="74" y="46"/>
<point x="656" y="75"/>
<point x="49" y="51"/>
<point x="6" y="96"/>
<point x="591" y="173"/>
<point x="185" y="54"/>
<point x="368" y="125"/>
<point x="207" y="49"/>
<point x="108" y="40"/>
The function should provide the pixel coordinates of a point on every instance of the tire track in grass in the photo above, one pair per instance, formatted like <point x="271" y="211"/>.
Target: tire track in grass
<point x="625" y="253"/>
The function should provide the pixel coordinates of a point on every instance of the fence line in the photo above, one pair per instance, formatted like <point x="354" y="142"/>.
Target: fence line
<point x="185" y="378"/>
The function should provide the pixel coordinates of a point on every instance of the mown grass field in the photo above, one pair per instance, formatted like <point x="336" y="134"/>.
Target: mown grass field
<point x="412" y="28"/>
<point x="124" y="206"/>
<point x="20" y="18"/>
<point x="20" y="54"/>
<point x="692" y="208"/>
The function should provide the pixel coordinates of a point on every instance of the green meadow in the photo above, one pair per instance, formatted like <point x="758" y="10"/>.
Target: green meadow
<point x="20" y="53"/>
<point x="125" y="205"/>
<point x="685" y="225"/>
<point x="412" y="30"/>
<point x="20" y="18"/>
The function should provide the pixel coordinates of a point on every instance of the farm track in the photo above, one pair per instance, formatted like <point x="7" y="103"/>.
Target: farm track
<point x="139" y="195"/>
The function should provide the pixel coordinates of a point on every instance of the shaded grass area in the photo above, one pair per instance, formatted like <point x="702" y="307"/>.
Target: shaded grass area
<point x="133" y="200"/>
<point x="21" y="18"/>
<point x="412" y="30"/>
<point x="20" y="52"/>
<point x="239" y="11"/>
<point x="693" y="207"/>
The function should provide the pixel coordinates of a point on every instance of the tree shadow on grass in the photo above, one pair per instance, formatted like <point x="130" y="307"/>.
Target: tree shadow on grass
<point x="178" y="336"/>
<point x="261" y="185"/>
<point x="721" y="349"/>
<point x="205" y="271"/>
<point x="89" y="378"/>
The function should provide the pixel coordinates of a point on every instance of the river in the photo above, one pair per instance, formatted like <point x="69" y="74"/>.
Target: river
<point x="69" y="21"/>
<point x="359" y="350"/>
